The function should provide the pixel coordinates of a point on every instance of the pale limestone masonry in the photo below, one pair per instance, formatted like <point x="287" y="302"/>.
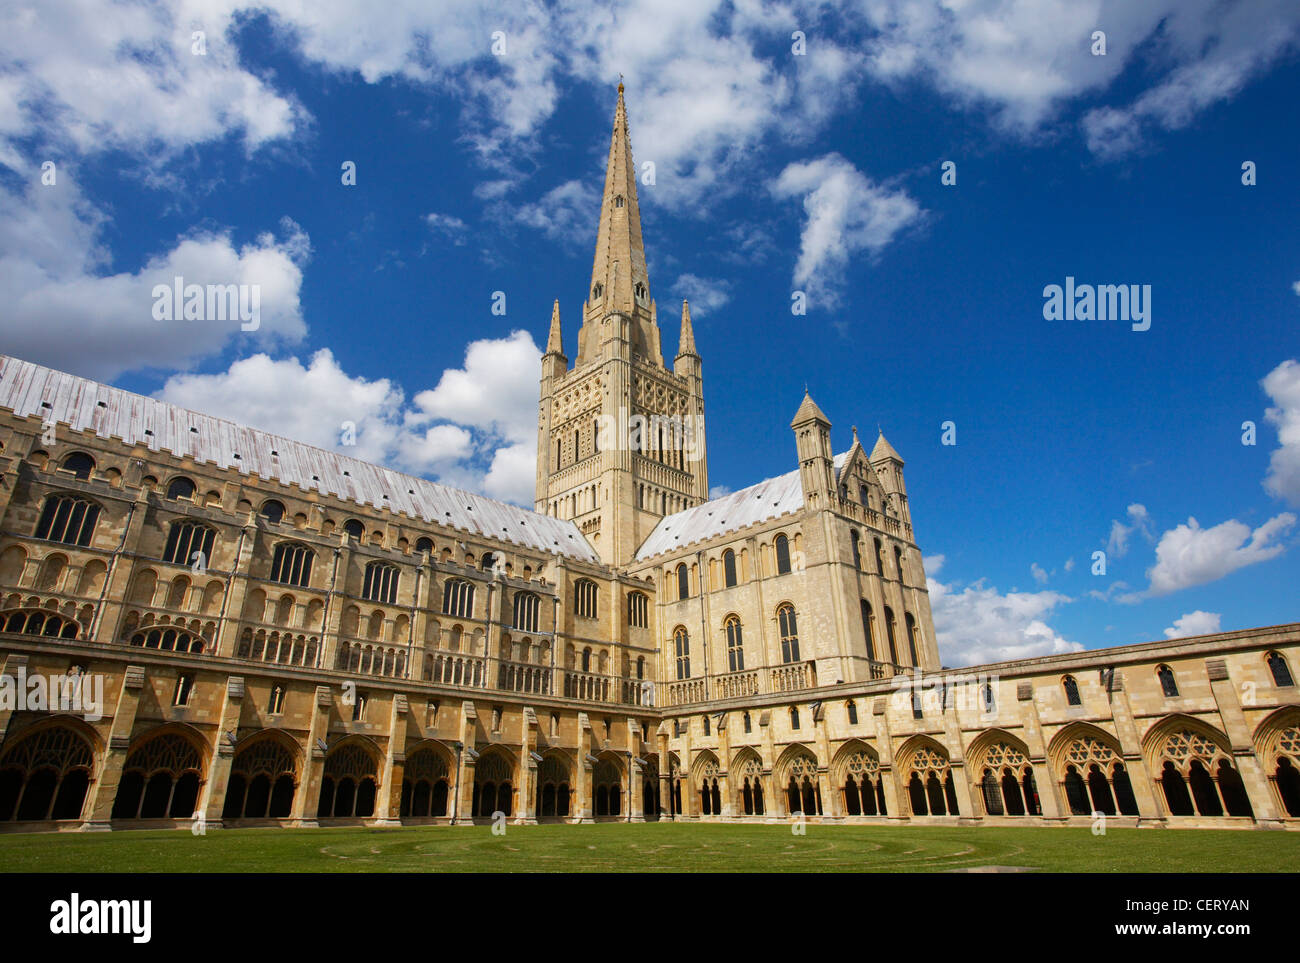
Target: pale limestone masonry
<point x="357" y="645"/>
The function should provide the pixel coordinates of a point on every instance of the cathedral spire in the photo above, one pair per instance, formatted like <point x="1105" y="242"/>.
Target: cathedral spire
<point x="619" y="279"/>
<point x="554" y="343"/>
<point x="686" y="344"/>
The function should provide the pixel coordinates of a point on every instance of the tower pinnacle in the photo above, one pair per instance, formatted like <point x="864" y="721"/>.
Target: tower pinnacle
<point x="554" y="342"/>
<point x="620" y="281"/>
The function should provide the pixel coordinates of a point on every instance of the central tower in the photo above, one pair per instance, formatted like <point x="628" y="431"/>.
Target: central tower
<point x="620" y="437"/>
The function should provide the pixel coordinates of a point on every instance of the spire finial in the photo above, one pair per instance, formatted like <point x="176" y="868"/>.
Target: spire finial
<point x="554" y="344"/>
<point x="686" y="343"/>
<point x="855" y="434"/>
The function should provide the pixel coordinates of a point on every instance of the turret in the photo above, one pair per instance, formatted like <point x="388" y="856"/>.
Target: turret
<point x="812" y="432"/>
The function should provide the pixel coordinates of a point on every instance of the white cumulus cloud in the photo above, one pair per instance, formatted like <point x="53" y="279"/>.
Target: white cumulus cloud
<point x="846" y="214"/>
<point x="978" y="624"/>
<point x="1193" y="623"/>
<point x="1282" y="385"/>
<point x="1189" y="555"/>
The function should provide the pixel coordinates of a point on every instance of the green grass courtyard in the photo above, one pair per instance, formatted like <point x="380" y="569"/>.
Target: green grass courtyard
<point x="653" y="848"/>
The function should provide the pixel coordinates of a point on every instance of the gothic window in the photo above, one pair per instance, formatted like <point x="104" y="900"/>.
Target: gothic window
<point x="708" y="729"/>
<point x="869" y="629"/>
<point x="458" y="598"/>
<point x="424" y="545"/>
<point x="526" y="606"/>
<point x="68" y="519"/>
<point x="1198" y="777"/>
<point x="729" y="567"/>
<point x="854" y="539"/>
<point x="880" y="560"/>
<point x="161" y="779"/>
<point x="354" y="529"/>
<point x="789" y="630"/>
<point x="359" y="707"/>
<point x="273" y="510"/>
<point x="863" y="496"/>
<point x="852" y="708"/>
<point x="898" y="563"/>
<point x="184" y="687"/>
<point x="381" y="583"/>
<point x="891" y="629"/>
<point x="185" y="539"/>
<point x="596" y="291"/>
<point x="262" y="782"/>
<point x="637" y="606"/>
<point x="1071" y="691"/>
<point x="864" y="793"/>
<point x="584" y="598"/>
<point x="682" y="650"/>
<point x="639" y="290"/>
<point x="79" y="465"/>
<point x="292" y="564"/>
<point x="782" y="555"/>
<point x="349" y="784"/>
<point x="735" y="645"/>
<point x="1095" y="778"/>
<point x="683" y="581"/>
<point x="911" y="636"/>
<point x="748" y="723"/>
<point x="276" y="705"/>
<point x="1167" y="684"/>
<point x="988" y="700"/>
<point x="803" y="790"/>
<point x="930" y="787"/>
<point x="618" y="201"/>
<point x="45" y="775"/>
<point x="1277" y="665"/>
<point x="794" y="717"/>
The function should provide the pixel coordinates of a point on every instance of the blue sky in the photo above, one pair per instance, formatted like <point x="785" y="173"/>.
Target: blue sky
<point x="775" y="171"/>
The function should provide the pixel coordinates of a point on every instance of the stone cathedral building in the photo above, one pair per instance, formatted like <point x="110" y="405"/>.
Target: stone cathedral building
<point x="201" y="619"/>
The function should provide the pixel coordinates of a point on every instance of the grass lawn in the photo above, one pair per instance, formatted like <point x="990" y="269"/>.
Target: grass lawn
<point x="652" y="848"/>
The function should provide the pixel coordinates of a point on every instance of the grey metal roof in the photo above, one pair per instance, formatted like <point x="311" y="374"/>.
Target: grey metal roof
<point x="749" y="506"/>
<point x="136" y="420"/>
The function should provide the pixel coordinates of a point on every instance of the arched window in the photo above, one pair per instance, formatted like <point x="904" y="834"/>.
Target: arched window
<point x="354" y="529"/>
<point x="273" y="510"/>
<point x="869" y="629"/>
<point x="682" y="649"/>
<point x="1071" y="691"/>
<point x="180" y="487"/>
<point x="68" y="519"/>
<point x="637" y="608"/>
<point x="292" y="564"/>
<point x="708" y="728"/>
<point x="349" y="783"/>
<point x="854" y="539"/>
<point x="735" y="645"/>
<point x="596" y="291"/>
<point x="880" y="558"/>
<point x="1167" y="684"/>
<point x="160" y="779"/>
<point x="852" y="708"/>
<point x="729" y="567"/>
<point x="891" y="629"/>
<point x="794" y="717"/>
<point x="789" y="629"/>
<point x="168" y="640"/>
<point x="424" y="545"/>
<point x="381" y="583"/>
<point x="584" y="598"/>
<point x="526" y="607"/>
<point x="618" y="201"/>
<point x="1281" y="671"/>
<point x="910" y="622"/>
<point x="683" y="581"/>
<point x="45" y="775"/>
<point x="989" y="701"/>
<point x="782" y="555"/>
<point x="458" y="598"/>
<point x="898" y="563"/>
<point x="79" y="465"/>
<point x="38" y="622"/>
<point x="185" y="539"/>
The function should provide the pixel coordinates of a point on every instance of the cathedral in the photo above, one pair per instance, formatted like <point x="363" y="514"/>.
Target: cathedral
<point x="205" y="622"/>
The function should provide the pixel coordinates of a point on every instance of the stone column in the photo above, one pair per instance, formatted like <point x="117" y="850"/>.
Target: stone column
<point x="212" y="800"/>
<point x="388" y="807"/>
<point x="889" y="777"/>
<point x="526" y="815"/>
<point x="103" y="791"/>
<point x="306" y="800"/>
<point x="464" y="788"/>
<point x="1049" y="790"/>
<point x="1151" y="809"/>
